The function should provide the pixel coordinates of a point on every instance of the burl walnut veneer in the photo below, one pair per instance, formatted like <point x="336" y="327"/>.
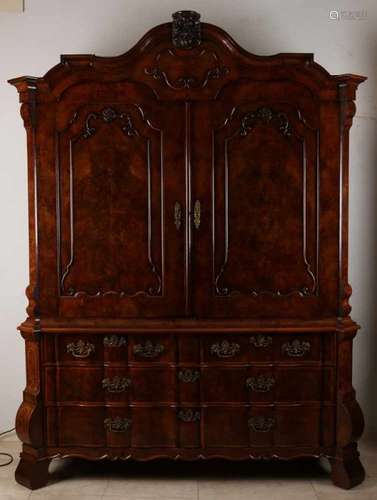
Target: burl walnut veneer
<point x="188" y="297"/>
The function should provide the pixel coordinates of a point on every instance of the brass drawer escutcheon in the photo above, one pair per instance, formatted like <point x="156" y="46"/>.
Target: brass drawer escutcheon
<point x="189" y="415"/>
<point x="261" y="424"/>
<point x="114" y="341"/>
<point x="177" y="215"/>
<point x="116" y="384"/>
<point x="225" y="349"/>
<point x="261" y="341"/>
<point x="149" y="349"/>
<point x="188" y="376"/>
<point x="197" y="214"/>
<point x="261" y="383"/>
<point x="80" y="349"/>
<point x="117" y="424"/>
<point x="296" y="348"/>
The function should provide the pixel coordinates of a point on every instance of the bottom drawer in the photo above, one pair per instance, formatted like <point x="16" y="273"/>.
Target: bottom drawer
<point x="88" y="426"/>
<point x="112" y="426"/>
<point x="268" y="426"/>
<point x="210" y="426"/>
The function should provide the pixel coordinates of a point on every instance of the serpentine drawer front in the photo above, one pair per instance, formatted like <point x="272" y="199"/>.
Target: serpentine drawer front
<point x="188" y="294"/>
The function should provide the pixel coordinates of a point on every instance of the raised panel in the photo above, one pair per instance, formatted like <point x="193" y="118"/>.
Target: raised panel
<point x="263" y="191"/>
<point x="111" y="190"/>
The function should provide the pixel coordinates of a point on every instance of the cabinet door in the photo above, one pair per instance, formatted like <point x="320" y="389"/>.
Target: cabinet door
<point x="256" y="175"/>
<point x="121" y="202"/>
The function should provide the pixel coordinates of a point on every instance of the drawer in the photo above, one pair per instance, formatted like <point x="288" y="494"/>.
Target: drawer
<point x="85" y="348"/>
<point x="269" y="347"/>
<point x="290" y="384"/>
<point x="285" y="348"/>
<point x="80" y="348"/>
<point x="87" y="384"/>
<point x="88" y="426"/>
<point x="266" y="384"/>
<point x="153" y="348"/>
<point x="267" y="426"/>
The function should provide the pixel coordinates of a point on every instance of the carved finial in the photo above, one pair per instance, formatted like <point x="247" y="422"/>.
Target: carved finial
<point x="186" y="29"/>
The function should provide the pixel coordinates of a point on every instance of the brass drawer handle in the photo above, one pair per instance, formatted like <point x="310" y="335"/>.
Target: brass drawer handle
<point x="197" y="214"/>
<point x="189" y="415"/>
<point x="261" y="383"/>
<point x="225" y="349"/>
<point x="188" y="376"/>
<point x="116" y="384"/>
<point x="117" y="424"/>
<point x="149" y="349"/>
<point x="114" y="341"/>
<point x="261" y="424"/>
<point x="177" y="215"/>
<point x="296" y="348"/>
<point x="261" y="341"/>
<point x="80" y="349"/>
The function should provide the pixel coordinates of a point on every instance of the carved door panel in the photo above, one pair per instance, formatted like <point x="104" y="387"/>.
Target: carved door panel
<point x="121" y="204"/>
<point x="257" y="247"/>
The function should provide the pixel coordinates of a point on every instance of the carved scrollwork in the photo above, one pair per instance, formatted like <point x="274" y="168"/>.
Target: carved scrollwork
<point x="149" y="349"/>
<point x="117" y="424"/>
<point x="225" y="349"/>
<point x="109" y="115"/>
<point x="114" y="341"/>
<point x="296" y="348"/>
<point x="261" y="424"/>
<point x="265" y="115"/>
<point x="186" y="32"/>
<point x="80" y="349"/>
<point x="160" y="71"/>
<point x="189" y="415"/>
<point x="261" y="341"/>
<point x="261" y="383"/>
<point x="116" y="384"/>
<point x="188" y="376"/>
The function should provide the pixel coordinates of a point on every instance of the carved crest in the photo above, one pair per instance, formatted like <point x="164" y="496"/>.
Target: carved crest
<point x="186" y="32"/>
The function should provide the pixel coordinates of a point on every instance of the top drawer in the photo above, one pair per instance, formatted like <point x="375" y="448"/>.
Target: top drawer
<point x="99" y="348"/>
<point x="85" y="348"/>
<point x="266" y="347"/>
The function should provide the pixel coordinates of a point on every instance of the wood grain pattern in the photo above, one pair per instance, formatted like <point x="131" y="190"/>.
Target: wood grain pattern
<point x="188" y="221"/>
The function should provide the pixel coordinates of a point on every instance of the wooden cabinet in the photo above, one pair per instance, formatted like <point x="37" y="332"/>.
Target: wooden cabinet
<point x="188" y="296"/>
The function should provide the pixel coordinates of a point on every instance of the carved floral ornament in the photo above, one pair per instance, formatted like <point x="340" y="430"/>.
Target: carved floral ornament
<point x="265" y="115"/>
<point x="108" y="115"/>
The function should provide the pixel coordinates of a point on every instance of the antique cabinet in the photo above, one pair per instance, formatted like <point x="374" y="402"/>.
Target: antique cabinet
<point x="188" y="297"/>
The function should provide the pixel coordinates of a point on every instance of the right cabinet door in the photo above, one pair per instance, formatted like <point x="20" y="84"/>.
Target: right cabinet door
<point x="266" y="245"/>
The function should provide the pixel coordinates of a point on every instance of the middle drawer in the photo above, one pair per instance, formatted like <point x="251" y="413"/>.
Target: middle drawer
<point x="110" y="384"/>
<point x="205" y="384"/>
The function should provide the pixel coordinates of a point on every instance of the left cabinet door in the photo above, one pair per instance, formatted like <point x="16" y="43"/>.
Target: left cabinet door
<point x="120" y="203"/>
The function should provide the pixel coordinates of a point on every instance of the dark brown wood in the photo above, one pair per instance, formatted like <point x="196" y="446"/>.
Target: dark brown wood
<point x="188" y="220"/>
<point x="32" y="472"/>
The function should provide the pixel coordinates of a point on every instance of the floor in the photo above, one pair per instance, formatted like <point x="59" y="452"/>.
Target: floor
<point x="80" y="480"/>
